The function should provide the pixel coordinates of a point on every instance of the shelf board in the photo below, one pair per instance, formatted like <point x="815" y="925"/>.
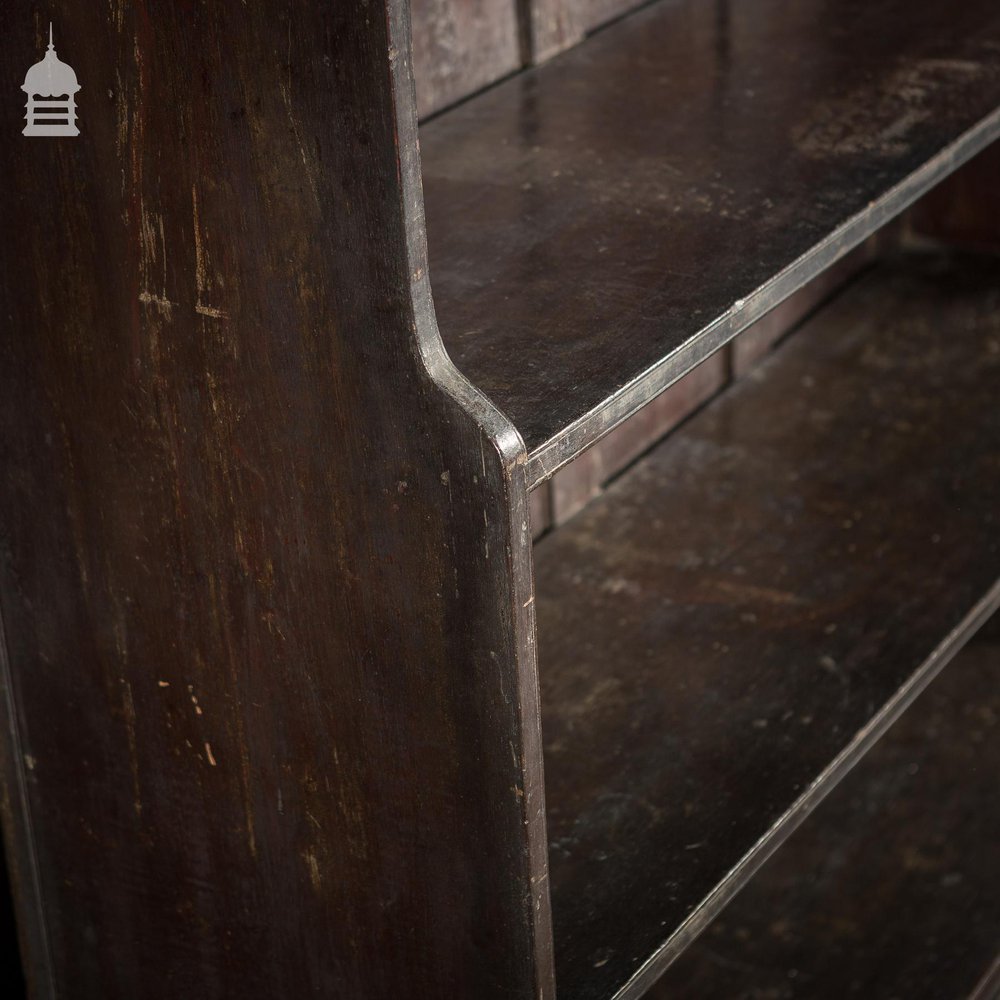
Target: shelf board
<point x="892" y="887"/>
<point x="727" y="629"/>
<point x="599" y="225"/>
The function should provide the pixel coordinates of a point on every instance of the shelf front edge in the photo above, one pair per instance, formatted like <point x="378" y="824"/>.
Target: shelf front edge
<point x="545" y="460"/>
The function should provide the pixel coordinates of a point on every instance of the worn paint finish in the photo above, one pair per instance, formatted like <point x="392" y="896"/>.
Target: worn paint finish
<point x="264" y="568"/>
<point x="729" y="626"/>
<point x="604" y="222"/>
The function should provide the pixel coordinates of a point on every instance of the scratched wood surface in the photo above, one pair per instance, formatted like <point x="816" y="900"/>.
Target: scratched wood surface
<point x="892" y="888"/>
<point x="461" y="46"/>
<point x="733" y="613"/>
<point x="263" y="556"/>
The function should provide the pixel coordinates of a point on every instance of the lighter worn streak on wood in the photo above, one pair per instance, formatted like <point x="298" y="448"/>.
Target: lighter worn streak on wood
<point x="117" y="10"/>
<point x="200" y="274"/>
<point x="286" y="95"/>
<point x="211" y="311"/>
<point x="165" y="306"/>
<point x="315" y="876"/>
<point x="208" y="753"/>
<point x="128" y="705"/>
<point x="163" y="254"/>
<point x="201" y="264"/>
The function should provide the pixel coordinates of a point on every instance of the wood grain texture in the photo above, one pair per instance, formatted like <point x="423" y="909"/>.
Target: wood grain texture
<point x="264" y="557"/>
<point x="602" y="223"/>
<point x="559" y="24"/>
<point x="731" y="623"/>
<point x="892" y="887"/>
<point x="461" y="46"/>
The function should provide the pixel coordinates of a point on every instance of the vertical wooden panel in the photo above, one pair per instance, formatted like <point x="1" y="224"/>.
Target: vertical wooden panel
<point x="460" y="46"/>
<point x="264" y="566"/>
<point x="559" y="24"/>
<point x="540" y="509"/>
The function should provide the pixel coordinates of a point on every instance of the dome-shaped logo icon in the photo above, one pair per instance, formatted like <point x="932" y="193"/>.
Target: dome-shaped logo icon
<point x="51" y="86"/>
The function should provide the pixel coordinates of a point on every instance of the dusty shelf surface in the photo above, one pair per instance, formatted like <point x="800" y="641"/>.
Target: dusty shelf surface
<point x="892" y="887"/>
<point x="734" y="622"/>
<point x="599" y="225"/>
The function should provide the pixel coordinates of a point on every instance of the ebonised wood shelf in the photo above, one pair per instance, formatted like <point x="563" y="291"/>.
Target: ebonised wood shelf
<point x="599" y="225"/>
<point x="892" y="887"/>
<point x="734" y="622"/>
<point x="272" y="689"/>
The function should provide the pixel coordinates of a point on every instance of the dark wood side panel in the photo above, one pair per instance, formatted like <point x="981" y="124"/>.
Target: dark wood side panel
<point x="263" y="556"/>
<point x="460" y="46"/>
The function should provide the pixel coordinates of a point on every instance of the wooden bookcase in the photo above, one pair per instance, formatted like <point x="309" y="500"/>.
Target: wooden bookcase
<point x="295" y="705"/>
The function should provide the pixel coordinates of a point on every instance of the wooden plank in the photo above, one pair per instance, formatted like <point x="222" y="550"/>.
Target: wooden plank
<point x="460" y="46"/>
<point x="892" y="888"/>
<point x="559" y="24"/>
<point x="604" y="222"/>
<point x="737" y="618"/>
<point x="271" y="724"/>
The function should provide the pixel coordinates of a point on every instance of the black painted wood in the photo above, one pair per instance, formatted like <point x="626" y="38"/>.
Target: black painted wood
<point x="730" y="625"/>
<point x="892" y="887"/>
<point x="600" y="224"/>
<point x="264" y="557"/>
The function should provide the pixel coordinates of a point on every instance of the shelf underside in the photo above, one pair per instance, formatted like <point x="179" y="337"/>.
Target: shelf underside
<point x="600" y="224"/>
<point x="892" y="887"/>
<point x="735" y="620"/>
